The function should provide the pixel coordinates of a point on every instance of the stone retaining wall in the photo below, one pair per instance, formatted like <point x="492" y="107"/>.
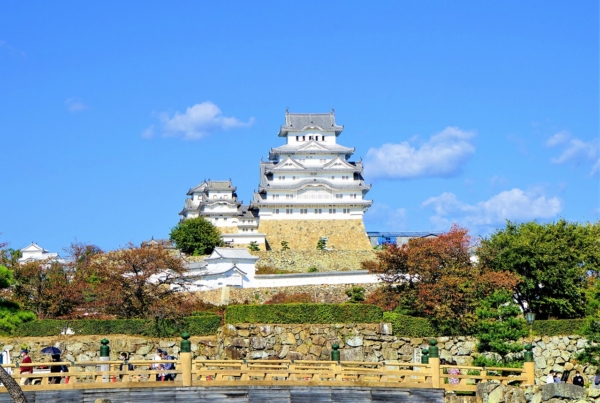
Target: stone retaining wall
<point x="304" y="234"/>
<point x="375" y="342"/>
<point x="87" y="348"/>
<point x="301" y="261"/>
<point x="323" y="293"/>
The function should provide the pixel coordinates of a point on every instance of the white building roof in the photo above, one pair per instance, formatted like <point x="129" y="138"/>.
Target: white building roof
<point x="231" y="253"/>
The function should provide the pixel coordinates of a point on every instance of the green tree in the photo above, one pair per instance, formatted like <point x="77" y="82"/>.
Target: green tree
<point x="253" y="247"/>
<point x="500" y="324"/>
<point x="285" y="245"/>
<point x="356" y="294"/>
<point x="321" y="244"/>
<point x="196" y="236"/>
<point x="591" y="352"/>
<point x="554" y="262"/>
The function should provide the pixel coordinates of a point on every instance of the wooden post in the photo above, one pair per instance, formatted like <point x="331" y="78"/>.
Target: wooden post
<point x="186" y="360"/>
<point x="434" y="364"/>
<point x="529" y="365"/>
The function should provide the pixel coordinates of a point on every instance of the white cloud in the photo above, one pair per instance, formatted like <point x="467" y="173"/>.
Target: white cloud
<point x="515" y="204"/>
<point x="148" y="133"/>
<point x="75" y="105"/>
<point x="441" y="156"/>
<point x="576" y="151"/>
<point x="386" y="217"/>
<point x="196" y="122"/>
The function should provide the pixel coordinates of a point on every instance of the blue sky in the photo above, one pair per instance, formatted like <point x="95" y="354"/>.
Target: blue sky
<point x="467" y="112"/>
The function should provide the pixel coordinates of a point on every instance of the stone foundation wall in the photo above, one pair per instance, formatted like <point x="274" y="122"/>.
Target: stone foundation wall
<point x="87" y="348"/>
<point x="324" y="293"/>
<point x="329" y="260"/>
<point x="375" y="342"/>
<point x="304" y="234"/>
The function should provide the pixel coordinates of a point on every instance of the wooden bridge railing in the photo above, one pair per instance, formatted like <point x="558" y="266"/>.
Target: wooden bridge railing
<point x="188" y="372"/>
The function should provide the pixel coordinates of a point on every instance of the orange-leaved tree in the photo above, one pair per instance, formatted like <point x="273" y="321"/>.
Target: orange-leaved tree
<point x="137" y="282"/>
<point x="436" y="278"/>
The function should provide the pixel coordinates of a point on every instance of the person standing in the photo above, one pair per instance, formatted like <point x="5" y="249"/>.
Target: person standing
<point x="578" y="379"/>
<point x="557" y="377"/>
<point x="25" y="359"/>
<point x="157" y="367"/>
<point x="550" y="377"/>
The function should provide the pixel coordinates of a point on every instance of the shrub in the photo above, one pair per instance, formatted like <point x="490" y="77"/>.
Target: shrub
<point x="269" y="270"/>
<point x="356" y="294"/>
<point x="304" y="313"/>
<point x="558" y="327"/>
<point x="195" y="325"/>
<point x="312" y="270"/>
<point x="284" y="298"/>
<point x="408" y="326"/>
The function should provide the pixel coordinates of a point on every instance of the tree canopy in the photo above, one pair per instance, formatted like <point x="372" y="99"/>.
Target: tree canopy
<point x="554" y="262"/>
<point x="436" y="278"/>
<point x="196" y="236"/>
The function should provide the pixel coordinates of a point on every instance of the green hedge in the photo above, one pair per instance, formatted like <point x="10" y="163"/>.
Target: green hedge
<point x="195" y="325"/>
<point x="409" y="326"/>
<point x="304" y="313"/>
<point x="557" y="327"/>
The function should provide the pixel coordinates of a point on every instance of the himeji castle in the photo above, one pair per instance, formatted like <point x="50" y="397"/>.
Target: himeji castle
<point x="308" y="190"/>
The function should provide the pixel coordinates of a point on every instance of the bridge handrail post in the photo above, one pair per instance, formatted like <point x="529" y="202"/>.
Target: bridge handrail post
<point x="186" y="360"/>
<point x="434" y="363"/>
<point x="529" y="365"/>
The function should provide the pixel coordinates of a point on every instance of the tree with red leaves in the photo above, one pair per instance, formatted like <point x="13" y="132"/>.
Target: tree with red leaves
<point x="436" y="278"/>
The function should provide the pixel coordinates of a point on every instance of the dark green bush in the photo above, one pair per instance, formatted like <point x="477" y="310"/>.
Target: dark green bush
<point x="304" y="313"/>
<point x="409" y="326"/>
<point x="557" y="327"/>
<point x="195" y="325"/>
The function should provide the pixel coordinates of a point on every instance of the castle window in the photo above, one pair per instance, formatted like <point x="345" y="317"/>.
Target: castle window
<point x="332" y="177"/>
<point x="339" y="196"/>
<point x="296" y="138"/>
<point x="317" y="211"/>
<point x="275" y="211"/>
<point x="289" y="197"/>
<point x="345" y="177"/>
<point x="331" y="211"/>
<point x="225" y="219"/>
<point x="353" y="196"/>
<point x="303" y="211"/>
<point x="281" y="178"/>
<point x="289" y="211"/>
<point x="293" y="177"/>
<point x="216" y="219"/>
<point x="322" y="138"/>
<point x="275" y="197"/>
<point x="346" y="211"/>
<point x="303" y="138"/>
<point x="310" y="137"/>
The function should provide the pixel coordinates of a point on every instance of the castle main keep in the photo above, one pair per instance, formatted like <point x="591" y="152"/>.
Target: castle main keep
<point x="308" y="190"/>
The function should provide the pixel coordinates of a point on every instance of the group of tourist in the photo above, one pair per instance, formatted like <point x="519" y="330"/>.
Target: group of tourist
<point x="558" y="377"/>
<point x="125" y="365"/>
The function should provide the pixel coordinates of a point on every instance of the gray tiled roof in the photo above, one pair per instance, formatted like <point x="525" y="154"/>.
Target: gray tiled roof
<point x="220" y="185"/>
<point x="231" y="253"/>
<point x="295" y="122"/>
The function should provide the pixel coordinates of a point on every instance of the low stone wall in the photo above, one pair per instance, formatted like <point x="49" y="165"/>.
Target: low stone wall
<point x="301" y="261"/>
<point x="323" y="293"/>
<point x="87" y="348"/>
<point x="358" y="342"/>
<point x="304" y="234"/>
<point x="375" y="342"/>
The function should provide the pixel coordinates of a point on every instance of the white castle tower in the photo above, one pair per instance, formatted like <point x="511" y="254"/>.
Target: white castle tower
<point x="310" y="190"/>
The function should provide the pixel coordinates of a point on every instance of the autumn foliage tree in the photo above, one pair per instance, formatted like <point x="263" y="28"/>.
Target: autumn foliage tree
<point x="435" y="278"/>
<point x="137" y="282"/>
